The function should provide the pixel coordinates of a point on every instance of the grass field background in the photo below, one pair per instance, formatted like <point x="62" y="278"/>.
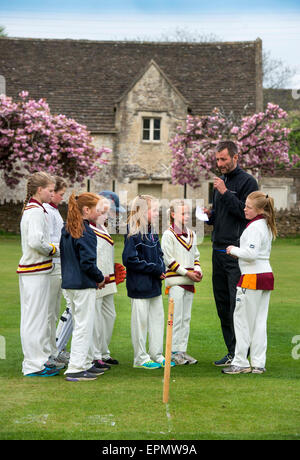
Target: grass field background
<point x="126" y="403"/>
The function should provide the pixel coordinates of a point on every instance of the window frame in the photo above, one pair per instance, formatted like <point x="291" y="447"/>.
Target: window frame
<point x="151" y="129"/>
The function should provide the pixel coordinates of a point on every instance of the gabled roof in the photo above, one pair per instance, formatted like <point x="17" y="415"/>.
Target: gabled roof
<point x="142" y="73"/>
<point x="85" y="79"/>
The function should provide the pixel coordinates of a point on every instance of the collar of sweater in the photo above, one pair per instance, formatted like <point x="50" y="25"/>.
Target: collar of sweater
<point x="33" y="200"/>
<point x="258" y="217"/>
<point x="179" y="232"/>
<point x="233" y="173"/>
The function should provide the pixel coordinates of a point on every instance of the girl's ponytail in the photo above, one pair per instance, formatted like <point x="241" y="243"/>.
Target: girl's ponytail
<point x="265" y="202"/>
<point x="28" y="195"/>
<point x="269" y="212"/>
<point x="74" y="222"/>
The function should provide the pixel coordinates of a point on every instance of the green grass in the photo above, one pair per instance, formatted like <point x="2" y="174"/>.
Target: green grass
<point x="126" y="403"/>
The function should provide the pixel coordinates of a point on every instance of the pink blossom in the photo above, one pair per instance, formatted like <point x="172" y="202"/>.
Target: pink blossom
<point x="49" y="142"/>
<point x="261" y="139"/>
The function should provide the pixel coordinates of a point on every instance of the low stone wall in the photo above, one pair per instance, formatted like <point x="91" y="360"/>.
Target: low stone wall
<point x="288" y="221"/>
<point x="10" y="216"/>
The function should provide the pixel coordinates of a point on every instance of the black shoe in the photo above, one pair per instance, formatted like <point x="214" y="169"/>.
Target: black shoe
<point x="46" y="372"/>
<point x="101" y="365"/>
<point x="226" y="361"/>
<point x="110" y="361"/>
<point x="80" y="376"/>
<point x="95" y="370"/>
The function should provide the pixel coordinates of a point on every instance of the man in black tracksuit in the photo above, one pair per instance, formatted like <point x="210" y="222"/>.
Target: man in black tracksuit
<point x="228" y="220"/>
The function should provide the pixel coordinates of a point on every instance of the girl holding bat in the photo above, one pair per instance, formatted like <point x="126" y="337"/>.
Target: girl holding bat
<point x="181" y="256"/>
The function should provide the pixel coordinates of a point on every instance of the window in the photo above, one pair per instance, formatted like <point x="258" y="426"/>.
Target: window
<point x="151" y="129"/>
<point x="150" y="189"/>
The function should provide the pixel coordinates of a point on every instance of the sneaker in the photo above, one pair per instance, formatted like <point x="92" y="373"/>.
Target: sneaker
<point x="46" y="372"/>
<point x="80" y="376"/>
<point x="189" y="358"/>
<point x="258" y="370"/>
<point x="110" y="361"/>
<point x="179" y="359"/>
<point x="236" y="370"/>
<point x="149" y="365"/>
<point x="226" y="361"/>
<point x="95" y="370"/>
<point x="63" y="357"/>
<point x="54" y="362"/>
<point x="101" y="365"/>
<point x="163" y="363"/>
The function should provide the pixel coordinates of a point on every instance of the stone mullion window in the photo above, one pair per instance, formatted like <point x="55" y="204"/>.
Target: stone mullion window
<point x="151" y="129"/>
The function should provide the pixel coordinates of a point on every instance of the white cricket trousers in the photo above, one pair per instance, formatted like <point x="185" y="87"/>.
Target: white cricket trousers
<point x="105" y="315"/>
<point x="35" y="300"/>
<point x="183" y="301"/>
<point x="83" y="312"/>
<point x="250" y="325"/>
<point x="54" y="307"/>
<point x="147" y="318"/>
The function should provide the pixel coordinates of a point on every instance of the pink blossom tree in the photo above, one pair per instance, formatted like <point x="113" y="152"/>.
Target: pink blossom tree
<point x="33" y="139"/>
<point x="261" y="138"/>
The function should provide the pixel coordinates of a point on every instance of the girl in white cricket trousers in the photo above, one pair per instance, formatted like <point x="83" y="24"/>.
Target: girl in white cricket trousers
<point x="81" y="278"/>
<point x="105" y="313"/>
<point x="55" y="226"/>
<point x="255" y="285"/>
<point x="181" y="256"/>
<point x="143" y="259"/>
<point x="34" y="268"/>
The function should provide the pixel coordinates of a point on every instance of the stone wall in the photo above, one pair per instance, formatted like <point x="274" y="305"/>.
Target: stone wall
<point x="10" y="216"/>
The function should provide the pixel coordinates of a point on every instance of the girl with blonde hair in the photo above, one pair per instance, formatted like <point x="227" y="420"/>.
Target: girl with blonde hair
<point x="81" y="278"/>
<point x="34" y="280"/>
<point x="255" y="285"/>
<point x="181" y="256"/>
<point x="143" y="259"/>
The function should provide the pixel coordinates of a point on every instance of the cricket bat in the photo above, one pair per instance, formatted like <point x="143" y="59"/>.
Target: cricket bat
<point x="167" y="369"/>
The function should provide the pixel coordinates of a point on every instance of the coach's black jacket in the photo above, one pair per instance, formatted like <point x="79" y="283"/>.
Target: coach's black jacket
<point x="228" y="217"/>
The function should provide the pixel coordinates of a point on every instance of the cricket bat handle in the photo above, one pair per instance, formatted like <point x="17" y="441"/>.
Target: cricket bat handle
<point x="168" y="351"/>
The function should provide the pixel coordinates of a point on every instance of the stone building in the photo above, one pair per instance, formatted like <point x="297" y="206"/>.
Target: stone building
<point x="132" y="96"/>
<point x="284" y="186"/>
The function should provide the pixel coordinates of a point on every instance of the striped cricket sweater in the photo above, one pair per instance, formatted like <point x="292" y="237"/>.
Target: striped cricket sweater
<point x="37" y="251"/>
<point x="180" y="255"/>
<point x="105" y="260"/>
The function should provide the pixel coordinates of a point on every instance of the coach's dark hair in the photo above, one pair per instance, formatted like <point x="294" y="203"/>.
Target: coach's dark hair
<point x="230" y="146"/>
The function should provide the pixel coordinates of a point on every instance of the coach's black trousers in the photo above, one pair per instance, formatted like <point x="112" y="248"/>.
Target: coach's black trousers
<point x="225" y="276"/>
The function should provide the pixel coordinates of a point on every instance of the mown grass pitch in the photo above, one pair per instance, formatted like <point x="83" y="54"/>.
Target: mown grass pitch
<point x="126" y="403"/>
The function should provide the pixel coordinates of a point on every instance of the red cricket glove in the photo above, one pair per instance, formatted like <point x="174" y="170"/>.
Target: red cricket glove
<point x="120" y="273"/>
